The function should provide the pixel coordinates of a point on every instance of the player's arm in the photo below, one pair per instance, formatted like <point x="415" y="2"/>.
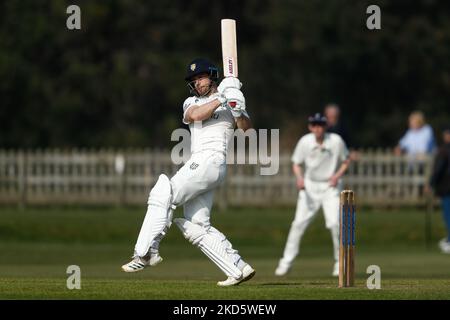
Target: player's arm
<point x="298" y="158"/>
<point x="345" y="158"/>
<point x="342" y="168"/>
<point x="298" y="172"/>
<point x="201" y="112"/>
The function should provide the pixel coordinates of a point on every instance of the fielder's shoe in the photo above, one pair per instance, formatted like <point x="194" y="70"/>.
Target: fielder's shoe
<point x="139" y="263"/>
<point x="335" y="272"/>
<point x="282" y="270"/>
<point x="247" y="273"/>
<point x="444" y="245"/>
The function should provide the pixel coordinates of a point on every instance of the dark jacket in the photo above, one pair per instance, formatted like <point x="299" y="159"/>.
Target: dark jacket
<point x="341" y="129"/>
<point x="440" y="178"/>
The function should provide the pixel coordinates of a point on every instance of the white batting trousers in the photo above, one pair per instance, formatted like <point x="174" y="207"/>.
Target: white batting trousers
<point x="193" y="186"/>
<point x="310" y="200"/>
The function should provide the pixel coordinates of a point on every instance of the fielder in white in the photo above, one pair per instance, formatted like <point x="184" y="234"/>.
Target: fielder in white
<point x="325" y="159"/>
<point x="211" y="121"/>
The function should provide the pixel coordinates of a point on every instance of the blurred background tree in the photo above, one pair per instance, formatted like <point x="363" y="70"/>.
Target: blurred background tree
<point x="118" y="82"/>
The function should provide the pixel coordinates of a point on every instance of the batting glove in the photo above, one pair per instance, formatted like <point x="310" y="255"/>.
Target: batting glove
<point x="221" y="97"/>
<point x="235" y="101"/>
<point x="233" y="94"/>
<point x="229" y="82"/>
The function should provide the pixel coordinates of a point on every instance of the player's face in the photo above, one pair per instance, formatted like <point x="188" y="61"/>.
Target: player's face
<point x="318" y="130"/>
<point x="202" y="83"/>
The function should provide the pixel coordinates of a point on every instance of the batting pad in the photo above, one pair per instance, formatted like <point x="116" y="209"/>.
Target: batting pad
<point x="210" y="245"/>
<point x="159" y="215"/>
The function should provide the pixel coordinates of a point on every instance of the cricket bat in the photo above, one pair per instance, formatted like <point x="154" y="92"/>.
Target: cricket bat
<point x="229" y="48"/>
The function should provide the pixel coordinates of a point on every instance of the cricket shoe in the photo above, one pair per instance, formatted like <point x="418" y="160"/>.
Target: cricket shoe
<point x="139" y="263"/>
<point x="247" y="273"/>
<point x="335" y="272"/>
<point x="444" y="245"/>
<point x="282" y="270"/>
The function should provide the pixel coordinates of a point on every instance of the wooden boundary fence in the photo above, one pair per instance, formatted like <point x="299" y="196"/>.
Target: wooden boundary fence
<point x="124" y="177"/>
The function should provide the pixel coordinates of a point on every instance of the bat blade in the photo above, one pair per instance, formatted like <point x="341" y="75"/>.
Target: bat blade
<point x="229" y="48"/>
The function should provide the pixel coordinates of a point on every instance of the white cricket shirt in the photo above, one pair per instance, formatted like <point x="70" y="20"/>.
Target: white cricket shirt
<point x="213" y="133"/>
<point x="321" y="161"/>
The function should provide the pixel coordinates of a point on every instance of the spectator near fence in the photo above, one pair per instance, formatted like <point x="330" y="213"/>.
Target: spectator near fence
<point x="336" y="125"/>
<point x="418" y="139"/>
<point x="440" y="182"/>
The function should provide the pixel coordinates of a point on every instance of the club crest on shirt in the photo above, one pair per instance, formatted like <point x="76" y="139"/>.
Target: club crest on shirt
<point x="194" y="166"/>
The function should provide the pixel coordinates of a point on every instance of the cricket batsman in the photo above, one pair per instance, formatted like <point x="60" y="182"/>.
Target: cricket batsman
<point x="212" y="112"/>
<point x="325" y="159"/>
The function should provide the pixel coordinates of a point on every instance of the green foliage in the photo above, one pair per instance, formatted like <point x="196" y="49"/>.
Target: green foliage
<point x="118" y="82"/>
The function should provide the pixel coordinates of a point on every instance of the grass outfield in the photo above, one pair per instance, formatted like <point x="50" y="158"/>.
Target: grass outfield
<point x="38" y="244"/>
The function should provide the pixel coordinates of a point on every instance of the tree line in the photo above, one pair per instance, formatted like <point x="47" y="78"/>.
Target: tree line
<point x="118" y="82"/>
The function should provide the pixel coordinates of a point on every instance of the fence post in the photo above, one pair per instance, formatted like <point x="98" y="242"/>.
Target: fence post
<point x="22" y="178"/>
<point x="121" y="168"/>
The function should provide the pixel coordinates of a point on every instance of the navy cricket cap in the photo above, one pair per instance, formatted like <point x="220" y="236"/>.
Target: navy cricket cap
<point x="199" y="66"/>
<point x="317" y="119"/>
